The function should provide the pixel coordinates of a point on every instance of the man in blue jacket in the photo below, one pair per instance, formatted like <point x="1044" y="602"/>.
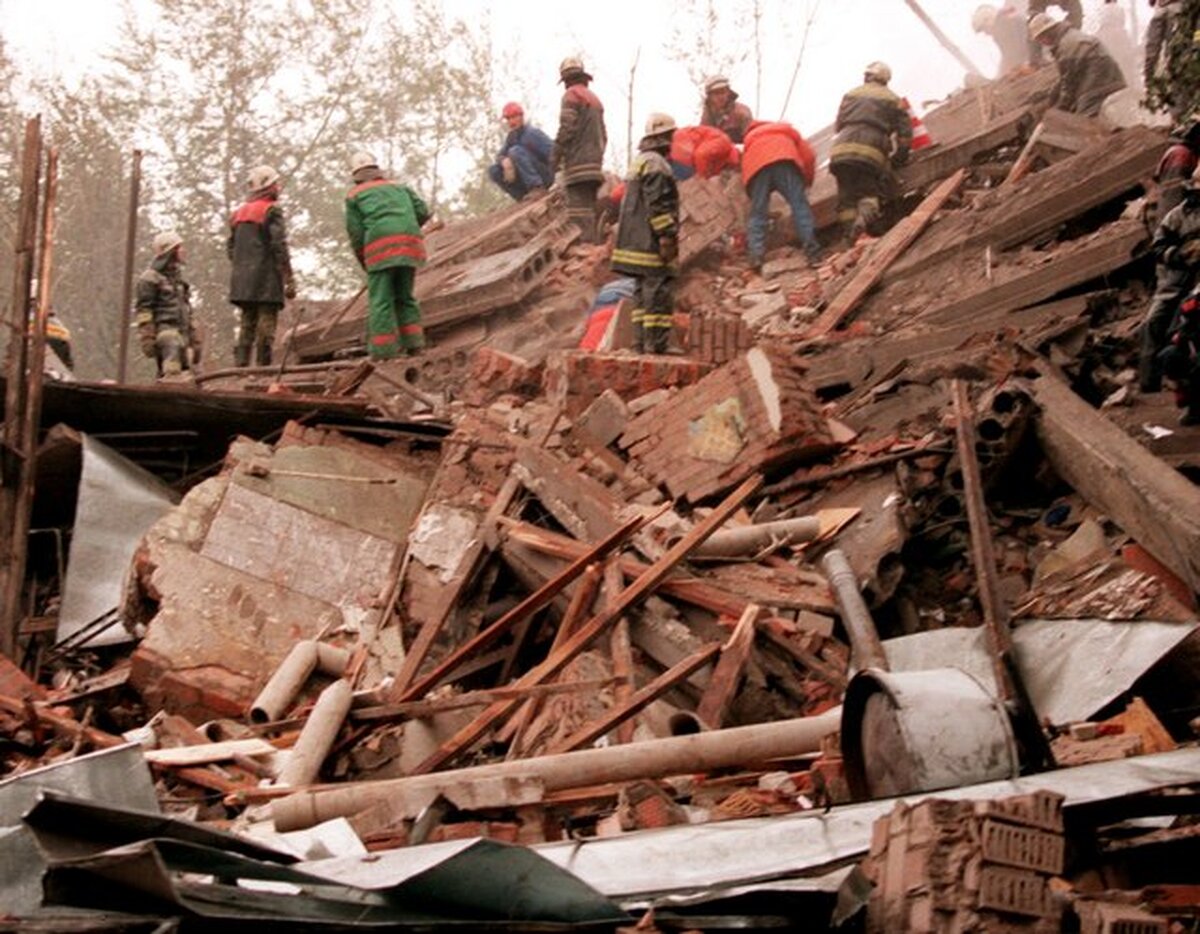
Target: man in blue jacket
<point x="522" y="168"/>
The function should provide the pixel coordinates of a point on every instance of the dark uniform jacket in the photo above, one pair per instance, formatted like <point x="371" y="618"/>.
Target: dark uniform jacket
<point x="649" y="210"/>
<point x="1174" y="169"/>
<point x="1087" y="74"/>
<point x="258" y="248"/>
<point x="163" y="298"/>
<point x="868" y="119"/>
<point x="581" y="140"/>
<point x="1179" y="227"/>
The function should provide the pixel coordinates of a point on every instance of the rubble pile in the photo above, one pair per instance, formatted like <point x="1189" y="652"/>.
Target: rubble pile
<point x="533" y="630"/>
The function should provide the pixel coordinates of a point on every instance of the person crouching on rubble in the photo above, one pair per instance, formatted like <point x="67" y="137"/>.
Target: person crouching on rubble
<point x="522" y="168"/>
<point x="260" y="278"/>
<point x="1087" y="74"/>
<point x="164" y="310"/>
<point x="384" y="221"/>
<point x="647" y="244"/>
<point x="778" y="159"/>
<point x="1181" y="360"/>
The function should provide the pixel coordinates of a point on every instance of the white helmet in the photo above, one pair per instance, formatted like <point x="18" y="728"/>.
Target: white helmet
<point x="1040" y="24"/>
<point x="166" y="241"/>
<point x="659" y="124"/>
<point x="261" y="177"/>
<point x="717" y="83"/>
<point x="878" y="71"/>
<point x="984" y="18"/>
<point x="362" y="160"/>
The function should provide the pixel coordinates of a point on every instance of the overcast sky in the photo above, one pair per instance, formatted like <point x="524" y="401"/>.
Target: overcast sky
<point x="68" y="36"/>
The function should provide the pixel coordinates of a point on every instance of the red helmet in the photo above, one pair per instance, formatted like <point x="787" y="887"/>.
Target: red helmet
<point x="512" y="109"/>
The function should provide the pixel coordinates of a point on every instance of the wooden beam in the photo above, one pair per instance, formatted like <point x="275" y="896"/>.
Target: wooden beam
<point x="523" y="610"/>
<point x="942" y="38"/>
<point x="621" y="648"/>
<point x="883" y="254"/>
<point x="630" y="597"/>
<point x="640" y="699"/>
<point x="1156" y="505"/>
<point x="813" y="663"/>
<point x="723" y="684"/>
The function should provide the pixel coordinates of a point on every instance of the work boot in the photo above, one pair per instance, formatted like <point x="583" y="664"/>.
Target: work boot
<point x="265" y="354"/>
<point x="814" y="254"/>
<point x="241" y="355"/>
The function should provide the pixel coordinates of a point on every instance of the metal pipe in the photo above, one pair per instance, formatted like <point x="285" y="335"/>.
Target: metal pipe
<point x="318" y="735"/>
<point x="499" y="782"/>
<point x="279" y="692"/>
<point x="135" y="184"/>
<point x="750" y="540"/>
<point x="856" y="618"/>
<point x="331" y="660"/>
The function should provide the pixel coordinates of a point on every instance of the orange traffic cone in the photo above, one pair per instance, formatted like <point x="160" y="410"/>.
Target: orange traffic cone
<point x="921" y="138"/>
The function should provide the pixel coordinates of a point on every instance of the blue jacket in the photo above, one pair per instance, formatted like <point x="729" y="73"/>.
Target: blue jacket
<point x="535" y="142"/>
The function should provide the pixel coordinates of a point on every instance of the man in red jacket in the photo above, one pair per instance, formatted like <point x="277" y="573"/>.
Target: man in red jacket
<point x="776" y="158"/>
<point x="703" y="150"/>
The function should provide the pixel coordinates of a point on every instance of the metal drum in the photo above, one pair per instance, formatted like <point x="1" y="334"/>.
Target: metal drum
<point x="913" y="731"/>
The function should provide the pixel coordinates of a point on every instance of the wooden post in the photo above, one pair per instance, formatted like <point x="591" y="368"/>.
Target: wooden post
<point x="135" y="184"/>
<point x="14" y="458"/>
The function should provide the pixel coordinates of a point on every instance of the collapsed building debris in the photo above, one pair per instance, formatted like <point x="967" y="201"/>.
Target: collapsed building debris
<point x="866" y="532"/>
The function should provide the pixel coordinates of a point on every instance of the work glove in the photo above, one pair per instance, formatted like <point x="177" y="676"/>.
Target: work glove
<point x="668" y="249"/>
<point x="146" y="339"/>
<point x="289" y="289"/>
<point x="900" y="157"/>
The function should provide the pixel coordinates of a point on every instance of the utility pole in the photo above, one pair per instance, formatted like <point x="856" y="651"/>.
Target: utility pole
<point x="135" y="184"/>
<point x="15" y="456"/>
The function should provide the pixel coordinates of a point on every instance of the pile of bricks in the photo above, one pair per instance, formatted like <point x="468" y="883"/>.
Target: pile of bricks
<point x="495" y="373"/>
<point x="749" y="416"/>
<point x="574" y="379"/>
<point x="956" y="866"/>
<point x="718" y="338"/>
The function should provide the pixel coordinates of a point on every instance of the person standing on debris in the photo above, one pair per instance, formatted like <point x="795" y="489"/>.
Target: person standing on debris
<point x="1175" y="168"/>
<point x="164" y="309"/>
<point x="1087" y="74"/>
<point x="723" y="110"/>
<point x="261" y="279"/>
<point x="874" y="133"/>
<point x="1157" y="63"/>
<point x="647" y="246"/>
<point x="522" y="167"/>
<point x="1007" y="28"/>
<point x="579" y="146"/>
<point x="384" y="221"/>
<point x="702" y="150"/>
<point x="777" y="158"/>
<point x="1073" y="10"/>
<point x="1177" y="248"/>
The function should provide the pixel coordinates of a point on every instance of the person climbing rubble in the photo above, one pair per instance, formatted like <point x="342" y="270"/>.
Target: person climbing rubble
<point x="164" y="312"/>
<point x="1087" y="73"/>
<point x="702" y="150"/>
<point x="261" y="279"/>
<point x="723" y="110"/>
<point x="579" y="146"/>
<point x="778" y="159"/>
<point x="384" y="220"/>
<point x="874" y="133"/>
<point x="647" y="245"/>
<point x="522" y="167"/>
<point x="1180" y="360"/>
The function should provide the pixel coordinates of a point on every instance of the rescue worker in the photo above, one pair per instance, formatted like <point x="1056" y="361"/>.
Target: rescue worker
<point x="1074" y="16"/>
<point x="384" y="221"/>
<point x="723" y="110"/>
<point x="1176" y="247"/>
<point x="1157" y="64"/>
<point x="1180" y="360"/>
<point x="1007" y="28"/>
<point x="1175" y="168"/>
<point x="261" y="279"/>
<point x="1087" y="74"/>
<point x="776" y="158"/>
<point x="579" y="146"/>
<point x="58" y="336"/>
<point x="874" y="133"/>
<point x="522" y="167"/>
<point x="702" y="150"/>
<point x="164" y="311"/>
<point x="647" y="244"/>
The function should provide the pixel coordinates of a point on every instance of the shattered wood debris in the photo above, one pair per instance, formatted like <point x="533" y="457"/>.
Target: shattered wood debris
<point x="535" y="588"/>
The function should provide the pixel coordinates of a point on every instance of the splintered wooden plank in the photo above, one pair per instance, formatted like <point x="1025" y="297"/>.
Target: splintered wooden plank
<point x="523" y="610"/>
<point x="181" y="756"/>
<point x="725" y="680"/>
<point x="883" y="254"/>
<point x="621" y="648"/>
<point x="630" y="597"/>
<point x="639" y="700"/>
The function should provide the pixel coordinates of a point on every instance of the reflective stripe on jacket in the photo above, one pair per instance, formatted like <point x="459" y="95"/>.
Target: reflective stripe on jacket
<point x="383" y="220"/>
<point x="868" y="119"/>
<point x="649" y="210"/>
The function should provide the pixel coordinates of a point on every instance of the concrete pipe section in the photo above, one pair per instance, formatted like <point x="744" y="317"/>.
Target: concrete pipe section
<point x="906" y="732"/>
